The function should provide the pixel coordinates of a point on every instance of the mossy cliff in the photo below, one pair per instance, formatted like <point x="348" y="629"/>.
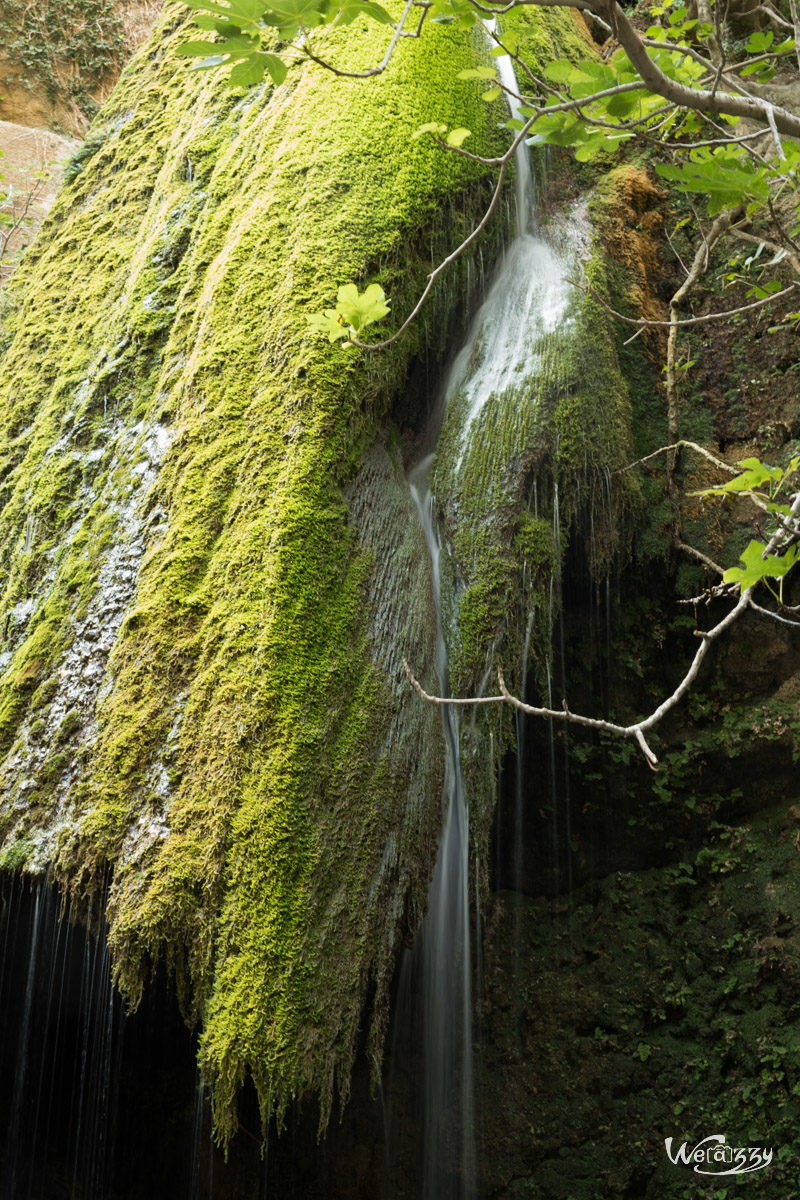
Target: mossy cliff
<point x="201" y="701"/>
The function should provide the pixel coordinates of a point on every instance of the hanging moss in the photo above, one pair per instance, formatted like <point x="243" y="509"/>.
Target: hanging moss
<point x="193" y="688"/>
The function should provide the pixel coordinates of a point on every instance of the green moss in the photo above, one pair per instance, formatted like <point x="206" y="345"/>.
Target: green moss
<point x="52" y="769"/>
<point x="44" y="693"/>
<point x="171" y="419"/>
<point x="72" y="722"/>
<point x="532" y="477"/>
<point x="14" y="856"/>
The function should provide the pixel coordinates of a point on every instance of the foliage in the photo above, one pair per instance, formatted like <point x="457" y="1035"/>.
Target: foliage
<point x="765" y="485"/>
<point x="68" y="48"/>
<point x="353" y="312"/>
<point x="679" y="85"/>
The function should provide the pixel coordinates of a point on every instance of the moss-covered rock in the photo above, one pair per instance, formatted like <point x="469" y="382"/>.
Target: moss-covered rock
<point x="205" y="545"/>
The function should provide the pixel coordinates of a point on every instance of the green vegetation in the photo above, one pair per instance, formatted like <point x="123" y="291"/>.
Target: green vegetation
<point x="174" y="514"/>
<point x="67" y="49"/>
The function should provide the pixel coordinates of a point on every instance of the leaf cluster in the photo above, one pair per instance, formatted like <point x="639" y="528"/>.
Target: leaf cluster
<point x="767" y="487"/>
<point x="241" y="25"/>
<point x="354" y="312"/>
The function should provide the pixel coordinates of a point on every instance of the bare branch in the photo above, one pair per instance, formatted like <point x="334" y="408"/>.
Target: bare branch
<point x="767" y="612"/>
<point x="635" y="731"/>
<point x="770" y="112"/>
<point x="791" y="254"/>
<point x="718" y="462"/>
<point x="787" y="525"/>
<point x="709" y="562"/>
<point x="647" y="323"/>
<point x="698" y="267"/>
<point x="774" y="17"/>
<point x="720" y="141"/>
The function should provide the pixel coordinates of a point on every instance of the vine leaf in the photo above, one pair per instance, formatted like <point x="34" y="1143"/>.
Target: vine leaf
<point x="757" y="566"/>
<point x="354" y="311"/>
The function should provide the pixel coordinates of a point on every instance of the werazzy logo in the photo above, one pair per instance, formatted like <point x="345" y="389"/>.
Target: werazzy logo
<point x="713" y="1156"/>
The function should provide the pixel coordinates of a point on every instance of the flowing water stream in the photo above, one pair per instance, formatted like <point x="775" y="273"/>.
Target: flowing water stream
<point x="526" y="304"/>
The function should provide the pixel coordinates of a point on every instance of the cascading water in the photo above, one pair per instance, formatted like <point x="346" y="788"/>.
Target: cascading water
<point x="509" y="344"/>
<point x="448" y="1147"/>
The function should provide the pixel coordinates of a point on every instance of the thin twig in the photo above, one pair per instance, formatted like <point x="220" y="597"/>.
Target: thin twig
<point x="635" y="731"/>
<point x="767" y="612"/>
<point x="720" y="141"/>
<point x="698" y="267"/>
<point x="398" y="33"/>
<point x="718" y="462"/>
<point x="443" y="265"/>
<point x="709" y="562"/>
<point x="647" y="323"/>
<point x="775" y="247"/>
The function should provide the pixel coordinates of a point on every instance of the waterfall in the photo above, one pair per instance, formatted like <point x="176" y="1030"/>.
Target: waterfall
<point x="448" y="1136"/>
<point x="511" y="342"/>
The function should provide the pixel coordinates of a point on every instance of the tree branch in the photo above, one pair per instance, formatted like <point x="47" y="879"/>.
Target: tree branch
<point x="635" y="731"/>
<point x="718" y="462"/>
<point x="647" y="323"/>
<point x="694" y="98"/>
<point x="698" y="268"/>
<point x="398" y="33"/>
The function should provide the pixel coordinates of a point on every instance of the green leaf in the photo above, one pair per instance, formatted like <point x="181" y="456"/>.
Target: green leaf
<point x="362" y="310"/>
<point x="248" y="72"/>
<point x="757" y="467"/>
<point x="457" y="137"/>
<point x="761" y="291"/>
<point x="255" y="66"/>
<point x="559" y="71"/>
<point x="329" y="323"/>
<point x="724" y="177"/>
<point x="490" y="94"/>
<point x="623" y="105"/>
<point x="349" y="12"/>
<point x="216" y="60"/>
<point x="756" y="567"/>
<point x="760" y="41"/>
<point x="212" y="24"/>
<point x="190" y="49"/>
<point x="602" y="141"/>
<point x="276" y="67"/>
